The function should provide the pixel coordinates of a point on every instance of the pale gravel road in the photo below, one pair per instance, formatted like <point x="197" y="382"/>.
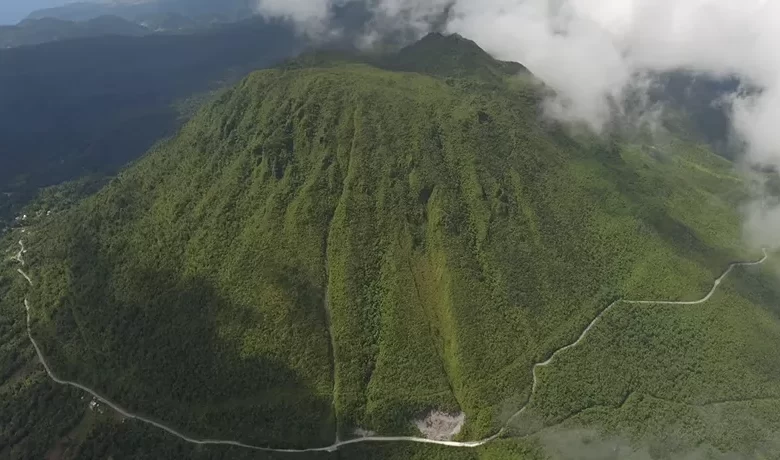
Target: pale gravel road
<point x="368" y="439"/>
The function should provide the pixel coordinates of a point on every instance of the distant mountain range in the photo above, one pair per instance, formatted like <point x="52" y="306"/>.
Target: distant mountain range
<point x="91" y="104"/>
<point x="126" y="18"/>
<point x="103" y="100"/>
<point x="37" y="31"/>
<point x="51" y="29"/>
<point x="227" y="10"/>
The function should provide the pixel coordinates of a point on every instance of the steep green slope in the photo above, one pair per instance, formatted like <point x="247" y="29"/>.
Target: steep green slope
<point x="450" y="56"/>
<point x="346" y="247"/>
<point x="672" y="377"/>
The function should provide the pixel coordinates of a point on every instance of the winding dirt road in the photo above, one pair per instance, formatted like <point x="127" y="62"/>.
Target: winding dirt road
<point x="19" y="256"/>
<point x="607" y="310"/>
<point x="368" y="439"/>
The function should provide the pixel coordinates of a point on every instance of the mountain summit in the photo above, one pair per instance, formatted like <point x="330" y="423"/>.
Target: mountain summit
<point x="452" y="56"/>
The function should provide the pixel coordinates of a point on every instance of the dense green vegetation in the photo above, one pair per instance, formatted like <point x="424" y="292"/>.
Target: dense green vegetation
<point x="709" y="370"/>
<point x="333" y="245"/>
<point x="34" y="412"/>
<point x="88" y="106"/>
<point x="450" y="56"/>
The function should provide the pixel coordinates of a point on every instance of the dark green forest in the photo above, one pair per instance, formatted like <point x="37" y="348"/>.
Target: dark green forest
<point x="88" y="106"/>
<point x="346" y="243"/>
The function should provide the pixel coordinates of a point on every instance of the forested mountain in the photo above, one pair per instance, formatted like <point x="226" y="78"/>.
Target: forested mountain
<point x="344" y="245"/>
<point x="44" y="30"/>
<point x="36" y="31"/>
<point x="90" y="105"/>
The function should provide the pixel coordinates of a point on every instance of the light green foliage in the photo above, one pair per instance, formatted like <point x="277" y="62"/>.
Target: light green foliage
<point x="709" y="370"/>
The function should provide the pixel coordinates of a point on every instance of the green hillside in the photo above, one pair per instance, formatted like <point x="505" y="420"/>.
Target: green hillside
<point x="683" y="376"/>
<point x="342" y="246"/>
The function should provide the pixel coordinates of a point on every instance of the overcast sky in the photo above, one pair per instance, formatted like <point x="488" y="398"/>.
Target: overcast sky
<point x="13" y="11"/>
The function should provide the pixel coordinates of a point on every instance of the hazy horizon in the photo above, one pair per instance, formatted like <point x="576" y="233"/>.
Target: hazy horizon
<point x="13" y="11"/>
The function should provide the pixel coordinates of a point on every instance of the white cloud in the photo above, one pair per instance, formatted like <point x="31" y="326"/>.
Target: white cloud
<point x="569" y="51"/>
<point x="305" y="12"/>
<point x="311" y="17"/>
<point x="593" y="51"/>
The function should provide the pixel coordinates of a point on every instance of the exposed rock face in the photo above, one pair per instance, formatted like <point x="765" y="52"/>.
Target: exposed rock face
<point x="441" y="426"/>
<point x="362" y="433"/>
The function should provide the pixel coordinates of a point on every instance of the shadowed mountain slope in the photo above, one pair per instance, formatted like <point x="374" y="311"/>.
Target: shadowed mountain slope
<point x="340" y="246"/>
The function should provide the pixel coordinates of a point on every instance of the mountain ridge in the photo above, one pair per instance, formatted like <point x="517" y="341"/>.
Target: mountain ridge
<point x="83" y="11"/>
<point x="37" y="31"/>
<point x="275" y="163"/>
<point x="336" y="247"/>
